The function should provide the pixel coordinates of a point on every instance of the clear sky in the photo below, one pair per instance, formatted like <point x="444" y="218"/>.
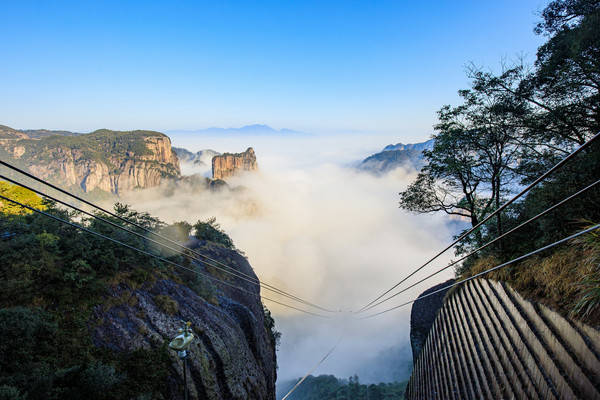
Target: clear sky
<point x="315" y="66"/>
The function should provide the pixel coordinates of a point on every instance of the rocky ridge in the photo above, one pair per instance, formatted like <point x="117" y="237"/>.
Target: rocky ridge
<point x="227" y="165"/>
<point x="396" y="155"/>
<point x="110" y="161"/>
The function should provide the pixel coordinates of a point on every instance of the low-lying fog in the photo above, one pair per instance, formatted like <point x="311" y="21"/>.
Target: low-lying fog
<point x="312" y="225"/>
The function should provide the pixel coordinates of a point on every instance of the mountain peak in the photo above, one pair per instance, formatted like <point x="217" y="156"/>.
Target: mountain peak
<point x="410" y="146"/>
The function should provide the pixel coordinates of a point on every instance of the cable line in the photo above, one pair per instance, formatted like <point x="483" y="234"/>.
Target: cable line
<point x="532" y="219"/>
<point x="583" y="232"/>
<point x="557" y="166"/>
<point x="84" y="229"/>
<point x="312" y="370"/>
<point x="179" y="245"/>
<point x="97" y="217"/>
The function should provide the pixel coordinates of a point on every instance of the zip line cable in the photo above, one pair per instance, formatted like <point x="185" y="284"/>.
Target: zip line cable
<point x="557" y="166"/>
<point x="583" y="232"/>
<point x="179" y="245"/>
<point x="312" y="369"/>
<point x="532" y="219"/>
<point x="234" y="272"/>
<point x="84" y="229"/>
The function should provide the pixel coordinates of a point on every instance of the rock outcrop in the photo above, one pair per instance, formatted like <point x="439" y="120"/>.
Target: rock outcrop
<point x="422" y="316"/>
<point x="227" y="164"/>
<point x="393" y="156"/>
<point x="106" y="160"/>
<point x="233" y="356"/>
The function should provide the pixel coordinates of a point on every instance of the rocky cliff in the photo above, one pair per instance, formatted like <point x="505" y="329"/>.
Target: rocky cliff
<point x="233" y="356"/>
<point x="422" y="316"/>
<point x="110" y="161"/>
<point x="227" y="165"/>
<point x="85" y="318"/>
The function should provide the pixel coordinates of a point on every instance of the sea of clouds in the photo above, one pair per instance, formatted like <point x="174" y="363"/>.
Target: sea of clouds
<point x="312" y="225"/>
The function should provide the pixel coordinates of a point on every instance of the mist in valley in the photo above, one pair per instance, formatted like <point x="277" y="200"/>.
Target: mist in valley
<point x="312" y="225"/>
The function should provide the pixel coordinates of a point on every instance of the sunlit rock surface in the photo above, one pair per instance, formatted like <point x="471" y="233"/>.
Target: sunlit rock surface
<point x="227" y="165"/>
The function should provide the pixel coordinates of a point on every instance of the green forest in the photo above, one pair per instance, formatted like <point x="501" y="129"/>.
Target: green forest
<point x="328" y="387"/>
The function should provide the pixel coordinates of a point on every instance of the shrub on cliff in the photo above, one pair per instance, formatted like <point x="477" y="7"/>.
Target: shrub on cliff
<point x="54" y="276"/>
<point x="211" y="231"/>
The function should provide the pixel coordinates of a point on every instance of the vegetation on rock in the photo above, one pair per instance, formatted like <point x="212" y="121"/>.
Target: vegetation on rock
<point x="62" y="292"/>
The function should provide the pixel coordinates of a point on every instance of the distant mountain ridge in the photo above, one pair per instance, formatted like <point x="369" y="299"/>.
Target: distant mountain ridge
<point x="254" y="129"/>
<point x="396" y="155"/>
<point x="428" y="145"/>
<point x="7" y="132"/>
<point x="40" y="133"/>
<point x="202" y="157"/>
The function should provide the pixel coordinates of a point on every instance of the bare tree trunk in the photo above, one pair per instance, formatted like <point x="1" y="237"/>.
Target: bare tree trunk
<point x="499" y="219"/>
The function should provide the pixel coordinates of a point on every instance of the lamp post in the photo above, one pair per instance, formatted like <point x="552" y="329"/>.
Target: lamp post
<point x="180" y="344"/>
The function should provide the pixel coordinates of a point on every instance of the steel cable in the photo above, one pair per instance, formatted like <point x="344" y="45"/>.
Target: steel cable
<point x="160" y="258"/>
<point x="583" y="232"/>
<point x="557" y="166"/>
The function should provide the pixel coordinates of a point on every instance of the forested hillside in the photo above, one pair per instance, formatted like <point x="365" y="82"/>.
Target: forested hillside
<point x="328" y="387"/>
<point x="83" y="317"/>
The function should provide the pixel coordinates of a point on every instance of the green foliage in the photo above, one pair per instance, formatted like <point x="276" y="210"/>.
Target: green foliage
<point x="166" y="304"/>
<point x="590" y="300"/>
<point x="53" y="276"/>
<point x="211" y="231"/>
<point x="146" y="371"/>
<point x="205" y="288"/>
<point x="328" y="387"/>
<point x="515" y="125"/>
<point x="26" y="335"/>
<point x="30" y="340"/>
<point x="178" y="231"/>
<point x="274" y="334"/>
<point x="10" y="393"/>
<point x="98" y="145"/>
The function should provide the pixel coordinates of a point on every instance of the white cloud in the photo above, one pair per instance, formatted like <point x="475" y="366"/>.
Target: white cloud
<point x="322" y="231"/>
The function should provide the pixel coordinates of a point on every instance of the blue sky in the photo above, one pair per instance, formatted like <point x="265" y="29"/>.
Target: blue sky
<point x="318" y="66"/>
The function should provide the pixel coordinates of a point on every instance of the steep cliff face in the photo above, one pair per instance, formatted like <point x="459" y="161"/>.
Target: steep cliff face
<point x="233" y="356"/>
<point x="227" y="165"/>
<point x="106" y="160"/>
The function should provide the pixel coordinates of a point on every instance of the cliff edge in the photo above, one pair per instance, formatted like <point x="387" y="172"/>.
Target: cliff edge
<point x="111" y="161"/>
<point x="227" y="165"/>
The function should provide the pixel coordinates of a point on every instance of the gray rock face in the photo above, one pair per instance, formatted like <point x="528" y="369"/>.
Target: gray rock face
<point x="232" y="356"/>
<point x="423" y="314"/>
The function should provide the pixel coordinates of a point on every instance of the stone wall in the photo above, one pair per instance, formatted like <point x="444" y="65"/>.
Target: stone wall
<point x="487" y="342"/>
